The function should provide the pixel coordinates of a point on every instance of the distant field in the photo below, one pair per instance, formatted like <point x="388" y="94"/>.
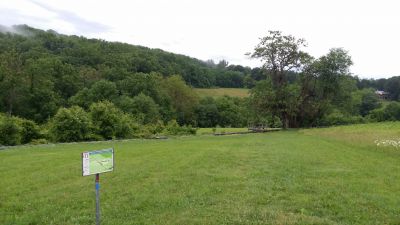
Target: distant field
<point x="219" y="92"/>
<point x="323" y="176"/>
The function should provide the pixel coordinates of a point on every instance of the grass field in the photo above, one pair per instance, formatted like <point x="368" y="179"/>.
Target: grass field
<point x="219" y="92"/>
<point x="221" y="130"/>
<point x="312" y="176"/>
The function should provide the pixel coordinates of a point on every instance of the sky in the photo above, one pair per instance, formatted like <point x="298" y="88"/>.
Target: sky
<point x="227" y="29"/>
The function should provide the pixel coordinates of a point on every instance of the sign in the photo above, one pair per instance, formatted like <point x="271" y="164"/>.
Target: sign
<point x="95" y="162"/>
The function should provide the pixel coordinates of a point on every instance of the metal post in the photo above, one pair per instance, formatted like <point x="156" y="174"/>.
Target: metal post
<point x="97" y="199"/>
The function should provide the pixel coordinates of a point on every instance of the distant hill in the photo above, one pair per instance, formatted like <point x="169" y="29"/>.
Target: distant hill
<point x="120" y="58"/>
<point x="42" y="72"/>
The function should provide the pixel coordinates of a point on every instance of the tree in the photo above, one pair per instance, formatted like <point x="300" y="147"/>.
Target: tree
<point x="325" y="85"/>
<point x="103" y="90"/>
<point x="41" y="101"/>
<point x="283" y="103"/>
<point x="280" y="54"/>
<point x="207" y="113"/>
<point x="100" y="91"/>
<point x="144" y="109"/>
<point x="12" y="80"/>
<point x="248" y="81"/>
<point x="229" y="113"/>
<point x="369" y="102"/>
<point x="392" y="85"/>
<point x="183" y="99"/>
<point x="301" y="90"/>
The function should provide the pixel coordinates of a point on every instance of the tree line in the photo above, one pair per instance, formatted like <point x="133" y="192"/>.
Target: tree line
<point x="55" y="87"/>
<point x="113" y="60"/>
<point x="66" y="88"/>
<point x="323" y="92"/>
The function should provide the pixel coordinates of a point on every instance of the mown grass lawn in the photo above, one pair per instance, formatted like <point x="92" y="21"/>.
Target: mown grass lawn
<point x="316" y="176"/>
<point x="219" y="130"/>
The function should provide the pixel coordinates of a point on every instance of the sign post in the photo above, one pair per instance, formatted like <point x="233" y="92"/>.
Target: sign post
<point x="94" y="163"/>
<point x="97" y="199"/>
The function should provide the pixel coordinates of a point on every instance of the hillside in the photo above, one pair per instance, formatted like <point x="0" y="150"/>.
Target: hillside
<point x="111" y="59"/>
<point x="315" y="176"/>
<point x="42" y="72"/>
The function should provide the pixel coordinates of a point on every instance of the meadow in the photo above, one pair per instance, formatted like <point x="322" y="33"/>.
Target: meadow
<point x="220" y="92"/>
<point x="311" y="176"/>
<point x="220" y="130"/>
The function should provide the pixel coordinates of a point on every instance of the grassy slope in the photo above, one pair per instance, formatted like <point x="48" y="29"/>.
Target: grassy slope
<point x="219" y="92"/>
<point x="293" y="177"/>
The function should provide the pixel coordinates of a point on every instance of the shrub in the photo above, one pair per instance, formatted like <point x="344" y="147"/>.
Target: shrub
<point x="126" y="127"/>
<point x="10" y="131"/>
<point x="15" y="131"/>
<point x="338" y="118"/>
<point x="369" y="102"/>
<point x="29" y="131"/>
<point x="150" y="130"/>
<point x="376" y="115"/>
<point x="70" y="125"/>
<point x="392" y="111"/>
<point x="107" y="120"/>
<point x="173" y="128"/>
<point x="40" y="141"/>
<point x="145" y="109"/>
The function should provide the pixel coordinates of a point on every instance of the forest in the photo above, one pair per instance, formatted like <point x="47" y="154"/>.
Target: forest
<point x="60" y="88"/>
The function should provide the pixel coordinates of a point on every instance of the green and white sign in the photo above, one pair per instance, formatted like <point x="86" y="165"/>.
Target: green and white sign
<point x="99" y="161"/>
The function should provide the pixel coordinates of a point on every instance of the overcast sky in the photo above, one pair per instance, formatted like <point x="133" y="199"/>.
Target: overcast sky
<point x="227" y="29"/>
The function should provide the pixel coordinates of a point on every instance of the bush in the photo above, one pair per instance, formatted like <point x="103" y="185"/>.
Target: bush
<point x="109" y="121"/>
<point x="376" y="115"/>
<point x="369" y="102"/>
<point x="126" y="127"/>
<point x="173" y="128"/>
<point x="145" y="109"/>
<point x="392" y="111"/>
<point x="10" y="131"/>
<point x="338" y="118"/>
<point x="70" y="125"/>
<point x="15" y="131"/>
<point x="29" y="131"/>
<point x="40" y="141"/>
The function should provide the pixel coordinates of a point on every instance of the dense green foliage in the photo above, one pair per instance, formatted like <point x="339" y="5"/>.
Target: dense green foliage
<point x="15" y="130"/>
<point x="390" y="85"/>
<point x="44" y="74"/>
<point x="85" y="89"/>
<point x="71" y="124"/>
<point x="324" y="92"/>
<point x="87" y="60"/>
<point x="326" y="176"/>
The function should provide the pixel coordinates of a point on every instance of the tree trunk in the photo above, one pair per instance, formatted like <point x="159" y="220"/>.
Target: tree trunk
<point x="285" y="121"/>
